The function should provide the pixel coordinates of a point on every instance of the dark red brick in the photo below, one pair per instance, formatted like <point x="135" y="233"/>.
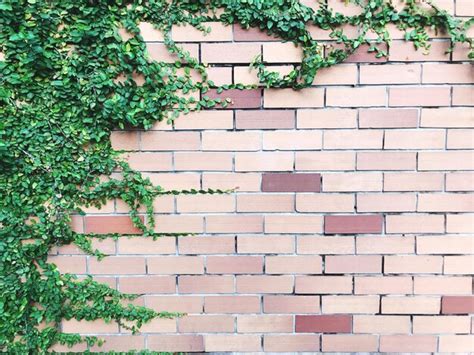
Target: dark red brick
<point x="265" y="119"/>
<point x="323" y="324"/>
<point x="457" y="305"/>
<point x="291" y="182"/>
<point x="251" y="34"/>
<point x="239" y="98"/>
<point x="353" y="224"/>
<point x="110" y="224"/>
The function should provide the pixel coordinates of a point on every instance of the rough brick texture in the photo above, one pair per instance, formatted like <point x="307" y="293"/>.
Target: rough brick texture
<point x="350" y="227"/>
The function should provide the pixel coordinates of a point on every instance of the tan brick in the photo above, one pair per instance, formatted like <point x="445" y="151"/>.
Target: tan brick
<point x="266" y="244"/>
<point x="353" y="264"/>
<point x="448" y="244"/>
<point x="460" y="182"/>
<point x="206" y="324"/>
<point x="179" y="224"/>
<point x="350" y="343"/>
<point x="443" y="324"/>
<point x="264" y="324"/>
<point x="386" y="161"/>
<point x="343" y="74"/>
<point x="187" y="33"/>
<point x="390" y="74"/>
<point x="386" y="202"/>
<point x="404" y="51"/>
<point x="325" y="202"/>
<point x="265" y="284"/>
<point x="233" y="141"/>
<point x="118" y="343"/>
<point x="326" y="161"/>
<point x="289" y="98"/>
<point x="385" y="245"/>
<point x="89" y="327"/>
<point x="323" y="284"/>
<point x="451" y="160"/>
<point x="413" y="182"/>
<point x="412" y="139"/>
<point x="265" y="203"/>
<point x="447" y="117"/>
<point x="353" y="139"/>
<point x="274" y="161"/>
<point x="356" y="97"/>
<point x="234" y="224"/>
<point x="234" y="264"/>
<point x="292" y="140"/>
<point x="460" y="223"/>
<point x="381" y="324"/>
<point x="229" y="52"/>
<point x="150" y="161"/>
<point x="243" y="182"/>
<point x="205" y="203"/>
<point x="291" y="304"/>
<point x="413" y="264"/>
<point x="144" y="245"/>
<point x="160" y="140"/>
<point x="175" y="343"/>
<point x="436" y="285"/>
<point x="350" y="304"/>
<point x="414" y="223"/>
<point x="411" y="305"/>
<point x="447" y="73"/>
<point x="206" y="119"/>
<point x="408" y="343"/>
<point x="325" y="245"/>
<point x="203" y="161"/>
<point x="463" y="96"/>
<point x="460" y="139"/>
<point x="459" y="265"/>
<point x="206" y="284"/>
<point x="293" y="224"/>
<point x="291" y="343"/>
<point x="420" y="96"/>
<point x="232" y="343"/>
<point x="327" y="118"/>
<point x="158" y="325"/>
<point x="119" y="265"/>
<point x="147" y="284"/>
<point x="446" y="202"/>
<point x="282" y="53"/>
<point x="232" y="304"/>
<point x="175" y="265"/>
<point x="346" y="182"/>
<point x="383" y="285"/>
<point x="456" y="343"/>
<point x="303" y="264"/>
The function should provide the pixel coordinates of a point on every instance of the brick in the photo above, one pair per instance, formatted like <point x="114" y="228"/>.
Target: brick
<point x="359" y="343"/>
<point x="414" y="223"/>
<point x="250" y="34"/>
<point x="206" y="324"/>
<point x="110" y="224"/>
<point x="456" y="343"/>
<point x="343" y="74"/>
<point x="419" y="96"/>
<point x="188" y="33"/>
<point x="385" y="245"/>
<point x="179" y="181"/>
<point x="463" y="96"/>
<point x="353" y="139"/>
<point x="175" y="265"/>
<point x="460" y="182"/>
<point x="220" y="75"/>
<point x="122" y="140"/>
<point x="441" y="324"/>
<point x="460" y="139"/>
<point x="89" y="327"/>
<point x="291" y="182"/>
<point x="232" y="304"/>
<point x="150" y="161"/>
<point x="174" y="342"/>
<point x="307" y="264"/>
<point x="268" y="161"/>
<point x="447" y="73"/>
<point x="325" y="202"/>
<point x="106" y="246"/>
<point x="265" y="284"/>
<point x="388" y="118"/>
<point x="160" y="53"/>
<point x="408" y="343"/>
<point x="381" y="324"/>
<point x="264" y="119"/>
<point x="353" y="264"/>
<point x="119" y="343"/>
<point x="323" y="324"/>
<point x="69" y="264"/>
<point x="386" y="161"/>
<point x="291" y="343"/>
<point x="349" y="182"/>
<point x="448" y="285"/>
<point x="293" y="224"/>
<point x="145" y="245"/>
<point x="291" y="304"/>
<point x="448" y="160"/>
<point x="412" y="139"/>
<point x="325" y="161"/>
<point x="206" y="119"/>
<point x="325" y="245"/>
<point x="413" y="264"/>
<point x="250" y="98"/>
<point x="206" y="245"/>
<point x="451" y="244"/>
<point x="120" y="265"/>
<point x="458" y="265"/>
<point x="410" y="305"/>
<point x="405" y="51"/>
<point x="289" y="98"/>
<point x="158" y="325"/>
<point x="234" y="224"/>
<point x="413" y="182"/>
<point x="323" y="284"/>
<point x="232" y="343"/>
<point x="234" y="264"/>
<point x="351" y="224"/>
<point x="362" y="55"/>
<point x="214" y="161"/>
<point x="350" y="304"/>
<point x="459" y="223"/>
<point x="179" y="224"/>
<point x="327" y="118"/>
<point x="292" y="140"/>
<point x="161" y="140"/>
<point x="383" y="285"/>
<point x="446" y="202"/>
<point x="266" y="244"/>
<point x="346" y="9"/>
<point x="282" y="53"/>
<point x="447" y="117"/>
<point x="265" y="203"/>
<point x="386" y="202"/>
<point x="77" y="224"/>
<point x="147" y="284"/>
<point x="182" y="304"/>
<point x="206" y="284"/>
<point x="229" y="52"/>
<point x="149" y="33"/>
<point x="457" y="305"/>
<point x="390" y="74"/>
<point x="264" y="324"/>
<point x="205" y="203"/>
<point x="244" y="182"/>
<point x="356" y="97"/>
<point x="464" y="8"/>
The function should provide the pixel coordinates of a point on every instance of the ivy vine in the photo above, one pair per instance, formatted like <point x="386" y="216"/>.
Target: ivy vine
<point x="60" y="98"/>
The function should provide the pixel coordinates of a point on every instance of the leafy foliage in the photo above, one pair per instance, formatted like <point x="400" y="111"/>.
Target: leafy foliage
<point x="67" y="79"/>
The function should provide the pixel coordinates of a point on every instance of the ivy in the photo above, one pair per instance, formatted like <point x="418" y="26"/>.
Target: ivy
<point x="67" y="79"/>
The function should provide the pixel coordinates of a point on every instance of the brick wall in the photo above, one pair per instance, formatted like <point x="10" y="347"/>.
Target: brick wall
<point x="351" y="228"/>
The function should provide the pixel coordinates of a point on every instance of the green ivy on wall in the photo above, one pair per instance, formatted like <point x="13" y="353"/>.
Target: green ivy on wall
<point x="60" y="98"/>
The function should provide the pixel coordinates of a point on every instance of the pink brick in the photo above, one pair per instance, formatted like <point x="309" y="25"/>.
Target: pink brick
<point x="291" y="304"/>
<point x="175" y="265"/>
<point x="291" y="182"/>
<point x="293" y="224"/>
<point x="353" y="224"/>
<point x="232" y="304"/>
<point x="206" y="284"/>
<point x="291" y="343"/>
<point x="150" y="161"/>
<point x="206" y="245"/>
<point x="405" y="51"/>
<point x="245" y="343"/>
<point x="419" y="96"/>
<point x="265" y="324"/>
<point x="386" y="161"/>
<point x="250" y="34"/>
<point x="323" y="324"/>
<point x="147" y="284"/>
<point x="306" y="264"/>
<point x="341" y="264"/>
<point x="239" y="98"/>
<point x="408" y="343"/>
<point x="265" y="119"/>
<point x="356" y="97"/>
<point x="327" y="118"/>
<point x="265" y="203"/>
<point x="388" y="118"/>
<point x="264" y="284"/>
<point x="110" y="224"/>
<point x="323" y="284"/>
<point x="172" y="343"/>
<point x="206" y="324"/>
<point x="266" y="244"/>
<point x="234" y="224"/>
<point x="234" y="264"/>
<point x="182" y="304"/>
<point x="161" y="140"/>
<point x="457" y="305"/>
<point x="350" y="343"/>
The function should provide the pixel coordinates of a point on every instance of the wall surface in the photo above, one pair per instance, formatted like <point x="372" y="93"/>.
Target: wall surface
<point x="351" y="226"/>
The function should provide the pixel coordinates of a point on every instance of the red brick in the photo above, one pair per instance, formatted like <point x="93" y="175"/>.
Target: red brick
<point x="178" y="343"/>
<point x="291" y="182"/>
<point x="265" y="119"/>
<point x="457" y="304"/>
<point x="353" y="224"/>
<point x="323" y="324"/>
<point x="234" y="265"/>
<point x="239" y="98"/>
<point x="110" y="224"/>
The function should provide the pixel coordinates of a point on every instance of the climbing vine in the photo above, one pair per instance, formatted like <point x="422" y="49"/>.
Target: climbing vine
<point x="67" y="80"/>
